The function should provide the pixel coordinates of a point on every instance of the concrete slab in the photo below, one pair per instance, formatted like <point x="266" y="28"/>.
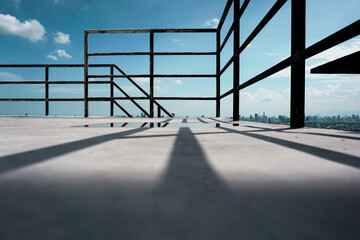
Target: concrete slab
<point x="59" y="180"/>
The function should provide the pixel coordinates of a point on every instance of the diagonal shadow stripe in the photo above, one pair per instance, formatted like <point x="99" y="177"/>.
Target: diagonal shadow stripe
<point x="188" y="161"/>
<point x="23" y="159"/>
<point x="191" y="196"/>
<point x="330" y="155"/>
<point x="200" y="120"/>
<point x="262" y="129"/>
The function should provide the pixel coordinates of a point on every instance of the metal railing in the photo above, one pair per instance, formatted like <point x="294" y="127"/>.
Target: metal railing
<point x="151" y="55"/>
<point x="299" y="53"/>
<point x="47" y="82"/>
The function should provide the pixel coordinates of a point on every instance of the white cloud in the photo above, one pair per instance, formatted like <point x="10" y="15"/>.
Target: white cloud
<point x="142" y="80"/>
<point x="212" y="23"/>
<point x="177" y="82"/>
<point x="334" y="99"/>
<point x="158" y="90"/>
<point x="273" y="54"/>
<point x="62" y="53"/>
<point x="339" y="50"/>
<point x="52" y="57"/>
<point x="322" y="58"/>
<point x="9" y="76"/>
<point x="17" y="3"/>
<point x="30" y="29"/>
<point x="262" y="95"/>
<point x="62" y="38"/>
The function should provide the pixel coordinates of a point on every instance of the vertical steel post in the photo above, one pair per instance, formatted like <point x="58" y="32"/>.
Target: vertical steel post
<point x="297" y="92"/>
<point x="46" y="91"/>
<point x="236" y="63"/>
<point x="151" y="74"/>
<point x="159" y="112"/>
<point x="218" y="112"/>
<point x="86" y="73"/>
<point x="112" y="91"/>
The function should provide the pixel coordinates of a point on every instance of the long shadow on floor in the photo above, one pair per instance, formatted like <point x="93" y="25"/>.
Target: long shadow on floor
<point x="190" y="202"/>
<point x="23" y="159"/>
<point x="357" y="137"/>
<point x="334" y="156"/>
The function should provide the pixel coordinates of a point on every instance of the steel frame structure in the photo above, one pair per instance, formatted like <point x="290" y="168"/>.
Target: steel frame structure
<point x="299" y="53"/>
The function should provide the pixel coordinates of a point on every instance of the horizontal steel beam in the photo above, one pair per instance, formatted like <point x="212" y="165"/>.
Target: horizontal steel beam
<point x="276" y="7"/>
<point x="100" y="99"/>
<point x="40" y="99"/>
<point x="334" y="39"/>
<point x="276" y="68"/>
<point x="184" y="53"/>
<point x="51" y="65"/>
<point x="143" y="91"/>
<point x="148" y="53"/>
<point x="272" y="12"/>
<point x="338" y="37"/>
<point x="131" y="99"/>
<point x="123" y="109"/>
<point x="348" y="64"/>
<point x="164" y="30"/>
<point x="53" y="82"/>
<point x="225" y="13"/>
<point x="238" y="16"/>
<point x="156" y="75"/>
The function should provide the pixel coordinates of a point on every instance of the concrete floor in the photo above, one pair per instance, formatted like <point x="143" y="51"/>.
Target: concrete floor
<point x="196" y="181"/>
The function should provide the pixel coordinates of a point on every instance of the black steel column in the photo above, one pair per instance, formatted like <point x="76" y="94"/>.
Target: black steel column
<point x="46" y="91"/>
<point x="236" y="63"/>
<point x="112" y="91"/>
<point x="151" y="74"/>
<point x="86" y="72"/>
<point x="218" y="112"/>
<point x="159" y="112"/>
<point x="298" y="31"/>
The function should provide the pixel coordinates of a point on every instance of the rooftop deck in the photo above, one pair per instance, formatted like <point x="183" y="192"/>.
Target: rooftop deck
<point x="189" y="180"/>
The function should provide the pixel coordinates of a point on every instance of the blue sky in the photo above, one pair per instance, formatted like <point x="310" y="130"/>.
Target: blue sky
<point x="51" y="31"/>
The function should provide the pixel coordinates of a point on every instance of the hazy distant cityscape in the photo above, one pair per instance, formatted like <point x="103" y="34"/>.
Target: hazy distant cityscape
<point x="346" y="123"/>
